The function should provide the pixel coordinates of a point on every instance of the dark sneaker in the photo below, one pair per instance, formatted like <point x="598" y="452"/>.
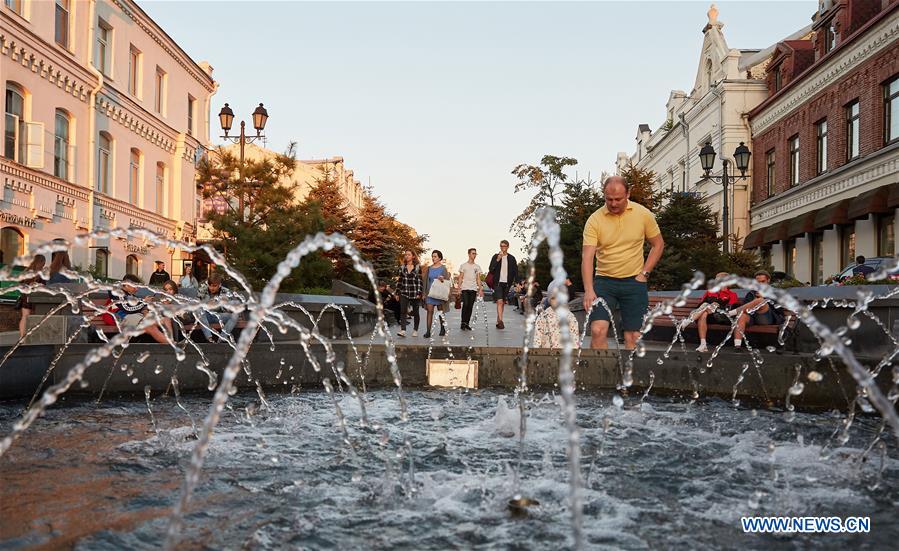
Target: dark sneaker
<point x="500" y="325"/>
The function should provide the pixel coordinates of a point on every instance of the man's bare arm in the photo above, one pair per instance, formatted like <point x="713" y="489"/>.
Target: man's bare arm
<point x="657" y="245"/>
<point x="588" y="253"/>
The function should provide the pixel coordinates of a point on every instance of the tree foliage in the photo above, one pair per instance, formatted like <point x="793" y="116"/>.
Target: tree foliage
<point x="337" y="218"/>
<point x="382" y="239"/>
<point x="641" y="183"/>
<point x="548" y="180"/>
<point x="271" y="222"/>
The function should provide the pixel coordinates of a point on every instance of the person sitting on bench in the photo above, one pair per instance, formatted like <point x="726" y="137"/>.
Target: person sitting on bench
<point x="130" y="311"/>
<point x="213" y="290"/>
<point x="756" y="310"/>
<point x="713" y="307"/>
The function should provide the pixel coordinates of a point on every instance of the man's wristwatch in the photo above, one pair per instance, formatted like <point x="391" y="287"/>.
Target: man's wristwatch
<point x="645" y="274"/>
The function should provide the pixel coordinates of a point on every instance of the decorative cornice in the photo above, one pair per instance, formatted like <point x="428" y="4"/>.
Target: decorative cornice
<point x="179" y="56"/>
<point x="844" y="183"/>
<point x="134" y="123"/>
<point x="36" y="62"/>
<point x="25" y="178"/>
<point x="878" y="39"/>
<point x="161" y="225"/>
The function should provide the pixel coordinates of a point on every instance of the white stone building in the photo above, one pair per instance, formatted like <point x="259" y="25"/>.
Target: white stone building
<point x="728" y="84"/>
<point x="104" y="117"/>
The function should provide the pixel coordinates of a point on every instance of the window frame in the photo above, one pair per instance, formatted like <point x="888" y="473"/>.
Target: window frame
<point x="66" y="10"/>
<point x="885" y="225"/>
<point x="830" y="37"/>
<point x="821" y="143"/>
<point x="135" y="162"/>
<point x="104" y="47"/>
<point x="816" y="246"/>
<point x="847" y="245"/>
<point x="888" y="99"/>
<point x="62" y="144"/>
<point x="105" y="254"/>
<point x="191" y="107"/>
<point x="159" y="90"/>
<point x="795" y="167"/>
<point x="135" y="62"/>
<point x="770" y="171"/>
<point x="104" y="163"/>
<point x="16" y="6"/>
<point x="853" y="130"/>
<point x="789" y="251"/>
<point x="18" y="124"/>
<point x="161" y="181"/>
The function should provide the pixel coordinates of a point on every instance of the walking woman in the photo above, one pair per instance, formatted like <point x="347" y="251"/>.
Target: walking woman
<point x="409" y="287"/>
<point x="435" y="272"/>
<point x="22" y="303"/>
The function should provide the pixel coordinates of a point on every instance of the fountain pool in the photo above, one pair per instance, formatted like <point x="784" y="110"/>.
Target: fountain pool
<point x="664" y="473"/>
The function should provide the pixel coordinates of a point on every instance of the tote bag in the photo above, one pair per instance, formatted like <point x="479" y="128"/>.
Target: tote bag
<point x="440" y="290"/>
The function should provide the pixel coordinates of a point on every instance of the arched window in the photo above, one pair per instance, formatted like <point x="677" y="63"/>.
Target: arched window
<point x="14" y="137"/>
<point x="101" y="263"/>
<point x="61" y="145"/>
<point x="132" y="265"/>
<point x="104" y="162"/>
<point x="160" y="188"/>
<point x="134" y="177"/>
<point x="12" y="244"/>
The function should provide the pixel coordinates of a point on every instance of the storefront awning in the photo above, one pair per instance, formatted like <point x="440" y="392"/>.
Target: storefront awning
<point x="801" y="225"/>
<point x="776" y="232"/>
<point x="870" y="202"/>
<point x="756" y="238"/>
<point x="835" y="214"/>
<point x="893" y="196"/>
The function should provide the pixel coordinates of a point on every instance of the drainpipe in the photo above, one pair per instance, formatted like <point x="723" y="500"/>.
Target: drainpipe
<point x="686" y="131"/>
<point x="92" y="119"/>
<point x="744" y="117"/>
<point x="721" y="153"/>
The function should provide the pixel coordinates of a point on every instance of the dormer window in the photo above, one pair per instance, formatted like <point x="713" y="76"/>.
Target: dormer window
<point x="778" y="79"/>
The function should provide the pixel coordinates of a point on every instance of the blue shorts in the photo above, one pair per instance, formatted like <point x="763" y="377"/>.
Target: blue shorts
<point x="627" y="294"/>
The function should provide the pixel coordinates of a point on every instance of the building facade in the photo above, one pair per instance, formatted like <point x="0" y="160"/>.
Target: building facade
<point x="728" y="83"/>
<point x="105" y="116"/>
<point x="306" y="174"/>
<point x="826" y="143"/>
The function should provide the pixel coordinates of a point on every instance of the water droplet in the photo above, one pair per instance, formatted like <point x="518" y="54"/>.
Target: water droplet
<point x="618" y="401"/>
<point x="854" y="323"/>
<point x="797" y="389"/>
<point x="815" y="376"/>
<point x="180" y="355"/>
<point x="129" y="373"/>
<point x="771" y="349"/>
<point x="143" y="357"/>
<point x="158" y="369"/>
<point x="134" y="380"/>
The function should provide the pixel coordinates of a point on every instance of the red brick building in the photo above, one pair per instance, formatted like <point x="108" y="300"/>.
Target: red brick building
<point x="826" y="143"/>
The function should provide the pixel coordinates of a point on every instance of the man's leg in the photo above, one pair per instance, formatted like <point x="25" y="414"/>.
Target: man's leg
<point x="229" y="322"/>
<point x="209" y="320"/>
<point x="742" y="322"/>
<point x="599" y="333"/>
<point x="702" y="325"/>
<point x="467" y="305"/>
<point x="416" y="315"/>
<point x="630" y="339"/>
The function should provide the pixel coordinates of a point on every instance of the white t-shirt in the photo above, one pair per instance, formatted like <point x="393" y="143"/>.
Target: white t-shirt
<point x="471" y="275"/>
<point x="504" y="269"/>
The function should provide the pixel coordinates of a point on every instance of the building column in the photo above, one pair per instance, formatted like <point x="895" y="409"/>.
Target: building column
<point x="865" y="237"/>
<point x="777" y="257"/>
<point x="803" y="259"/>
<point x="830" y="248"/>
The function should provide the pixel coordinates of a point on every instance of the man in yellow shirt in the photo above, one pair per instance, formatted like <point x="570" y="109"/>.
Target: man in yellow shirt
<point x="614" y="236"/>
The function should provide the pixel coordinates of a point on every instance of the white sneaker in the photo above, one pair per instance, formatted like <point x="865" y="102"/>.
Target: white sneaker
<point x="702" y="348"/>
<point x="414" y="333"/>
<point x="400" y="333"/>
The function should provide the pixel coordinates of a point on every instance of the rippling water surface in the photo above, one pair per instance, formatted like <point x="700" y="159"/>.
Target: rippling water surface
<point x="663" y="474"/>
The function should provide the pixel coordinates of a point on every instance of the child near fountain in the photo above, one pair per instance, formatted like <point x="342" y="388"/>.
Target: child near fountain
<point x="131" y="309"/>
<point x="547" y="332"/>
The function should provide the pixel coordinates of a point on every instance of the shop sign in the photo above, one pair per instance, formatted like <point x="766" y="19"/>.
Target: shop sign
<point x="137" y="249"/>
<point x="18" y="220"/>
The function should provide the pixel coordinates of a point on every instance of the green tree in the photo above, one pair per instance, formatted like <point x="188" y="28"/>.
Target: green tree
<point x="548" y="179"/>
<point x="381" y="239"/>
<point x="641" y="183"/>
<point x="337" y="218"/>
<point x="258" y="219"/>
<point x="690" y="230"/>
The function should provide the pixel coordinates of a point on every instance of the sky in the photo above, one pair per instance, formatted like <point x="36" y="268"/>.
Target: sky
<point x="434" y="104"/>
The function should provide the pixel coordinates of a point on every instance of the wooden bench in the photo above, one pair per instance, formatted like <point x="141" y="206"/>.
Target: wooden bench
<point x="681" y="313"/>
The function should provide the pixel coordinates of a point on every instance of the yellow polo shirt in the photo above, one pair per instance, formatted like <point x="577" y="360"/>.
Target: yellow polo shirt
<point x="619" y="239"/>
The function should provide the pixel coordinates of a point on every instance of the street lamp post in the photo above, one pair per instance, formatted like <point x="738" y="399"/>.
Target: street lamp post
<point x="707" y="159"/>
<point x="226" y="118"/>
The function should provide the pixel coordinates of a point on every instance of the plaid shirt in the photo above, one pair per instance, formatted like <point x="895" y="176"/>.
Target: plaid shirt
<point x="409" y="283"/>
